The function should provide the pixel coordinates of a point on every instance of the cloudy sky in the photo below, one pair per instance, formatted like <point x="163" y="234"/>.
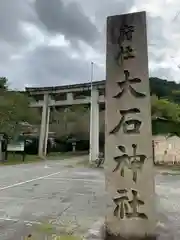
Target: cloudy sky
<point x="52" y="42"/>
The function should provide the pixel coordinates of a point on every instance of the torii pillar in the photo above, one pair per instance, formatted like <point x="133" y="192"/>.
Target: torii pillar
<point x="43" y="136"/>
<point x="94" y="126"/>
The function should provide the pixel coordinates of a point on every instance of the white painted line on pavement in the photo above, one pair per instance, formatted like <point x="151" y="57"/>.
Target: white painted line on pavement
<point x="74" y="179"/>
<point x="28" y="181"/>
<point x="19" y="220"/>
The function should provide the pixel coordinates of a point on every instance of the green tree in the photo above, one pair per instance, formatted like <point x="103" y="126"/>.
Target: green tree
<point x="68" y="116"/>
<point x="14" y="109"/>
<point x="3" y="83"/>
<point x="165" y="109"/>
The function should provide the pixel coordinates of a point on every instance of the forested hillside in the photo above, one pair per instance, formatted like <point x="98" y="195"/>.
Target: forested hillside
<point x="165" y="89"/>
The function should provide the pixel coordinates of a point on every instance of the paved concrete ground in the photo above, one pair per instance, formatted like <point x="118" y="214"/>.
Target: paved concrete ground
<point x="71" y="198"/>
<point x="168" y="205"/>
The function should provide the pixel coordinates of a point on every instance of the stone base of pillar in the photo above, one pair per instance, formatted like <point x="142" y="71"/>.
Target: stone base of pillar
<point x="118" y="237"/>
<point x="98" y="232"/>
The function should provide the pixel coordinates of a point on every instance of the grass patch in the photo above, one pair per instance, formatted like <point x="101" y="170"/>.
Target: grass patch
<point x="62" y="155"/>
<point x="46" y="228"/>
<point x="16" y="158"/>
<point x="67" y="237"/>
<point x="53" y="237"/>
<point x="52" y="232"/>
<point x="85" y="163"/>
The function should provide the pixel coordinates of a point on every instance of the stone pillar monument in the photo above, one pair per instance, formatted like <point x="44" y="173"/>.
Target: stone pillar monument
<point x="128" y="149"/>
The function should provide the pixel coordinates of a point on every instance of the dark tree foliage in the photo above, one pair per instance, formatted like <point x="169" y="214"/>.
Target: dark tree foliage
<point x="165" y="89"/>
<point x="165" y="102"/>
<point x="15" y="110"/>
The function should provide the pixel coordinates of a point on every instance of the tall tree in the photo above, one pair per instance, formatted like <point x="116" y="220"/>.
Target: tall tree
<point x="3" y="83"/>
<point x="14" y="109"/>
<point x="68" y="116"/>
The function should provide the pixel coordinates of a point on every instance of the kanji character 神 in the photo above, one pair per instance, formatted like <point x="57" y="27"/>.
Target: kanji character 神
<point x="133" y="162"/>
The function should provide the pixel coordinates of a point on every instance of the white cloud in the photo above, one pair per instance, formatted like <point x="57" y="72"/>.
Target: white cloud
<point x="58" y="41"/>
<point x="47" y="42"/>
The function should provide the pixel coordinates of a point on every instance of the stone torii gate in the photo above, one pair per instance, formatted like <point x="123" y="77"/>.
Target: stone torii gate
<point x="65" y="96"/>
